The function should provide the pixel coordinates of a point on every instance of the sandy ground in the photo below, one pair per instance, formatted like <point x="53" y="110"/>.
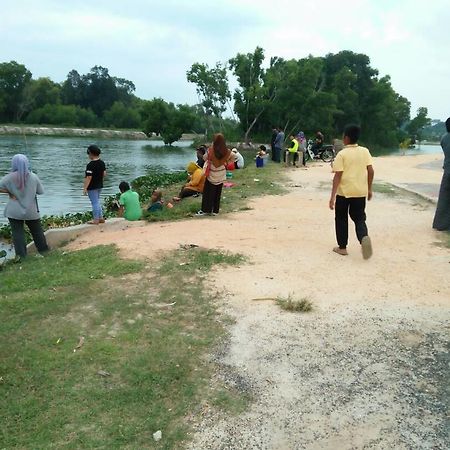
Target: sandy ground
<point x="368" y="367"/>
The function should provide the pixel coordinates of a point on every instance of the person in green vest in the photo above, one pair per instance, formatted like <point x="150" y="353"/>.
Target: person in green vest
<point x="129" y="205"/>
<point x="292" y="151"/>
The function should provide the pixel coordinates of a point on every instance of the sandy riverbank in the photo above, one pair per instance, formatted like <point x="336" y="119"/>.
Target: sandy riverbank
<point x="369" y="366"/>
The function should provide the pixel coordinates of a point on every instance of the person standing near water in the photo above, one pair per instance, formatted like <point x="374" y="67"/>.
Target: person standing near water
<point x="93" y="183"/>
<point x="215" y="161"/>
<point x="23" y="186"/>
<point x="352" y="184"/>
<point x="441" y="220"/>
<point x="278" y="145"/>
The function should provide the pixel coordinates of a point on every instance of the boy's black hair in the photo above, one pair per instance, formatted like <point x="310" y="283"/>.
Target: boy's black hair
<point x="262" y="147"/>
<point x="93" y="150"/>
<point x="124" y="186"/>
<point x="447" y="125"/>
<point x="352" y="132"/>
<point x="202" y="149"/>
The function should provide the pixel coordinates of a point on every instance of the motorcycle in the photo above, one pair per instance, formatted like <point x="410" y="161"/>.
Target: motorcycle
<point x="325" y="152"/>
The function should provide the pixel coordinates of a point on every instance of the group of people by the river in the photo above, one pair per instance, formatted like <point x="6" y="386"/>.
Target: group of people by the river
<point x="352" y="186"/>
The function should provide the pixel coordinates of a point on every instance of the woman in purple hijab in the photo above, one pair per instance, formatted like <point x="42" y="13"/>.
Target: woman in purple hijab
<point x="23" y="186"/>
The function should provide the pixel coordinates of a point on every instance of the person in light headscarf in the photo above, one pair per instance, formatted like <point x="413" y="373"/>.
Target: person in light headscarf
<point x="23" y="186"/>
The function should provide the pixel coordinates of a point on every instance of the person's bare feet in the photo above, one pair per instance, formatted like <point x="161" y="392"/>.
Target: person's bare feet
<point x="340" y="251"/>
<point x="176" y="199"/>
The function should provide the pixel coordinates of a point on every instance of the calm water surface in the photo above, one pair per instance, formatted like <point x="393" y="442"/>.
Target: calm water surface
<point x="60" y="164"/>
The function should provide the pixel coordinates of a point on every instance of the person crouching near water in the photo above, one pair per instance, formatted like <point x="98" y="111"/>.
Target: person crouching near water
<point x="216" y="159"/>
<point x="195" y="184"/>
<point x="129" y="205"/>
<point x="93" y="183"/>
<point x="156" y="201"/>
<point x="238" y="159"/>
<point x="22" y="186"/>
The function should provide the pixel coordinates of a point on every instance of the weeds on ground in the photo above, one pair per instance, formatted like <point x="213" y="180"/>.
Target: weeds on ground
<point x="385" y="188"/>
<point x="247" y="183"/>
<point x="289" y="304"/>
<point x="140" y="366"/>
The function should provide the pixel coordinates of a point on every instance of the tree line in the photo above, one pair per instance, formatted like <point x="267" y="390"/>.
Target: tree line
<point x="309" y="94"/>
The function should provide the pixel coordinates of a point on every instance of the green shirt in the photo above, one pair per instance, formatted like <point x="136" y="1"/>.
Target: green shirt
<point x="130" y="201"/>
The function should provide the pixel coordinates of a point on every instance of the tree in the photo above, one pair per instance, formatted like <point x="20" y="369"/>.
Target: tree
<point x="166" y="119"/>
<point x="13" y="79"/>
<point x="73" y="89"/>
<point x="121" y="116"/>
<point x="416" y="125"/>
<point x="100" y="90"/>
<point x="155" y="115"/>
<point x="38" y="93"/>
<point x="252" y="97"/>
<point x="212" y="88"/>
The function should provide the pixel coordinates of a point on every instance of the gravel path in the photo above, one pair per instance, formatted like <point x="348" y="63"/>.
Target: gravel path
<point x="368" y="367"/>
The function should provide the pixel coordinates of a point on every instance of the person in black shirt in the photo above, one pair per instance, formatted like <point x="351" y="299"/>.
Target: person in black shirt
<point x="93" y="183"/>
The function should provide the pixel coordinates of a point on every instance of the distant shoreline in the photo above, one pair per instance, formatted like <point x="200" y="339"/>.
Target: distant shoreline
<point x="20" y="130"/>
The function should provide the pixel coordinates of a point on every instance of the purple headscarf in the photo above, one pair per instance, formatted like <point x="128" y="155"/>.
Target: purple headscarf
<point x="20" y="168"/>
<point x="301" y="136"/>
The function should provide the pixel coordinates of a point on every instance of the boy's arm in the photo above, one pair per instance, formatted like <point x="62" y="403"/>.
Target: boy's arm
<point x="370" y="174"/>
<point x="336" y="181"/>
<point x="86" y="182"/>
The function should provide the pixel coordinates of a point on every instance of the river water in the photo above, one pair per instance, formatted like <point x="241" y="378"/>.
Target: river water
<point x="60" y="164"/>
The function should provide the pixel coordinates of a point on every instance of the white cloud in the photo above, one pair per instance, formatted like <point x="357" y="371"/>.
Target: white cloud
<point x="153" y="43"/>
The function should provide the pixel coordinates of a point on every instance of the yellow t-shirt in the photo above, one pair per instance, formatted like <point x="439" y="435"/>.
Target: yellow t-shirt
<point x="352" y="161"/>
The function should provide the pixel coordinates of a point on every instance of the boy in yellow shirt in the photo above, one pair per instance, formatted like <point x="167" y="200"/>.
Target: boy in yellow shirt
<point x="352" y="184"/>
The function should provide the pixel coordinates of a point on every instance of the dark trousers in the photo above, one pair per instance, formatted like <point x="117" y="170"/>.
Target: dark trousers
<point x="211" y="197"/>
<point x="441" y="220"/>
<point x="186" y="192"/>
<point x="355" y="207"/>
<point x="277" y="154"/>
<point x="18" y="235"/>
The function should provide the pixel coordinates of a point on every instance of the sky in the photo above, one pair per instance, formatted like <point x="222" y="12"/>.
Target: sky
<point x="153" y="43"/>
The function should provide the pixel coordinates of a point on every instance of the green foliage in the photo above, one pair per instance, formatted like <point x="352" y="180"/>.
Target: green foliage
<point x="292" y="305"/>
<point x="121" y="116"/>
<point x="434" y="131"/>
<point x="144" y="338"/>
<point x="13" y="79"/>
<point x="68" y="115"/>
<point x="416" y="125"/>
<point x="252" y="97"/>
<point x="146" y="184"/>
<point x="212" y="89"/>
<point x="166" y="119"/>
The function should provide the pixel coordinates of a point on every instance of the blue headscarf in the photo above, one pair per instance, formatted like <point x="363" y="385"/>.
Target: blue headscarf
<point x="20" y="168"/>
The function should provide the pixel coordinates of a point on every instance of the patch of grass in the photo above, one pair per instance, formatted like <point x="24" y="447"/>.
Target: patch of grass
<point x="235" y="198"/>
<point x="230" y="400"/>
<point x="385" y="188"/>
<point x="289" y="304"/>
<point x="142" y="365"/>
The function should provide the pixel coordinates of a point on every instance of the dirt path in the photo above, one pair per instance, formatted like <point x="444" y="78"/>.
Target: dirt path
<point x="368" y="368"/>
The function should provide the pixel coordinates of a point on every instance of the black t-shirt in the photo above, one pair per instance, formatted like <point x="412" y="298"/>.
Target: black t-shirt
<point x="95" y="170"/>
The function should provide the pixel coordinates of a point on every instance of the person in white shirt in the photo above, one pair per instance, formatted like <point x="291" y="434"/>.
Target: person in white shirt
<point x="238" y="159"/>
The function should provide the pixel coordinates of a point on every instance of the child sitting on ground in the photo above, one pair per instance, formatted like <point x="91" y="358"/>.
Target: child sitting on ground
<point x="195" y="184"/>
<point x="129" y="205"/>
<point x="156" y="201"/>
